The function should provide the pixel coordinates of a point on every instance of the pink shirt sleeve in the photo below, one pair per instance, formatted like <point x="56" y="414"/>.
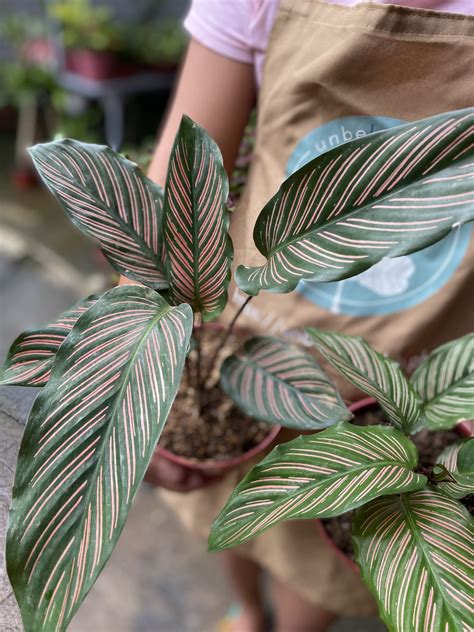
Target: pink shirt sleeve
<point x="240" y="29"/>
<point x="222" y="26"/>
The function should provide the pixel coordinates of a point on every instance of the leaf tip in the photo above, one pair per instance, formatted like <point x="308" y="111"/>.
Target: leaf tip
<point x="213" y="545"/>
<point x="242" y="278"/>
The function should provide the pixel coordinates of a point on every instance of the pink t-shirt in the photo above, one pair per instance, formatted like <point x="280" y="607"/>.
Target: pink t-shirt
<point x="239" y="29"/>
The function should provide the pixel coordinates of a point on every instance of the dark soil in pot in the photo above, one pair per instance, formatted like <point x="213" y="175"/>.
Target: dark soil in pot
<point x="429" y="445"/>
<point x="221" y="431"/>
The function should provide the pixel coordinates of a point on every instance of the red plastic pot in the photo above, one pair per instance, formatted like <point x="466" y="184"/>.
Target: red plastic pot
<point x="98" y="65"/>
<point x="216" y="469"/>
<point x="464" y="428"/>
<point x="24" y="178"/>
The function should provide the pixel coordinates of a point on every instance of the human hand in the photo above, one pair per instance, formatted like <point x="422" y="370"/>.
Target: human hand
<point x="163" y="473"/>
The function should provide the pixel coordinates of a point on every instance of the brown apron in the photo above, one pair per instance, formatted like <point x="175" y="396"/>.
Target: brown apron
<point x="333" y="73"/>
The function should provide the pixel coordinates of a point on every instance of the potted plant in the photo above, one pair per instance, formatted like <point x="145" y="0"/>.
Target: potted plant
<point x="111" y="367"/>
<point x="411" y="531"/>
<point x="94" y="43"/>
<point x="26" y="79"/>
<point x="435" y="447"/>
<point x="157" y="43"/>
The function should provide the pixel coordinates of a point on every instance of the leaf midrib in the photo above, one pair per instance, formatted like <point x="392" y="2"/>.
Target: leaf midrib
<point x="195" y="227"/>
<point x="434" y="400"/>
<point x="109" y="429"/>
<point x="253" y="363"/>
<point x="404" y="426"/>
<point x="354" y="211"/>
<point x="332" y="477"/>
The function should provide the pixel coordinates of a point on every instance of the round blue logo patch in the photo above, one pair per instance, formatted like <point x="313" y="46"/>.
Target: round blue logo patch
<point x="393" y="284"/>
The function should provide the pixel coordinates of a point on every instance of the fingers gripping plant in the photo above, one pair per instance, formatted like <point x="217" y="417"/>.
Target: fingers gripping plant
<point x="111" y="366"/>
<point x="413" y="539"/>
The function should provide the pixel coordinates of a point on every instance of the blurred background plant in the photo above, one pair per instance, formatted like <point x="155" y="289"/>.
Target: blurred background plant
<point x="64" y="66"/>
<point x="161" y="41"/>
<point x="242" y="163"/>
<point x="148" y="37"/>
<point x="84" y="25"/>
<point x="21" y="78"/>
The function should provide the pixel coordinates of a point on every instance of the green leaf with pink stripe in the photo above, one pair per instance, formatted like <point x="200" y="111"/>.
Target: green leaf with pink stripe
<point x="388" y="194"/>
<point x="415" y="552"/>
<point x="318" y="476"/>
<point x="458" y="459"/>
<point x="279" y="383"/>
<point x="195" y="222"/>
<point x="445" y="383"/>
<point x="87" y="444"/>
<point x="108" y="198"/>
<point x="31" y="356"/>
<point x="374" y="374"/>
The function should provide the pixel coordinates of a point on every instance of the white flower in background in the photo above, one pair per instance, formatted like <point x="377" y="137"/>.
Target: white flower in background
<point x="389" y="277"/>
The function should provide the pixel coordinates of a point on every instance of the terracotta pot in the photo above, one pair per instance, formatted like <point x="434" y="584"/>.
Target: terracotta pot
<point x="97" y="65"/>
<point x="465" y="429"/>
<point x="216" y="469"/>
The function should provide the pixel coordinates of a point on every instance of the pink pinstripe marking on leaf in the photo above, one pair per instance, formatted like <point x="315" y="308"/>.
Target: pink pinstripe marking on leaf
<point x="388" y="555"/>
<point x="299" y="199"/>
<point x="58" y="526"/>
<point x="134" y="205"/>
<point x="171" y="347"/>
<point x="46" y="586"/>
<point x="63" y="478"/>
<point x="316" y="469"/>
<point x="413" y="135"/>
<point x="57" y="426"/>
<point x="81" y="564"/>
<point x="410" y="567"/>
<point x="338" y="177"/>
<point x="409" y="162"/>
<point x="460" y="597"/>
<point x="113" y="486"/>
<point x="269" y="389"/>
<point x="74" y="438"/>
<point x="402" y="546"/>
<point x="49" y="609"/>
<point x="95" y="175"/>
<point x="304" y="220"/>
<point x="99" y="521"/>
<point x="451" y="146"/>
<point x="116" y="188"/>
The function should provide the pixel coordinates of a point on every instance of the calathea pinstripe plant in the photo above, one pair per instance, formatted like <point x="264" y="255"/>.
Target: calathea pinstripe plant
<point x="413" y="539"/>
<point x="111" y="365"/>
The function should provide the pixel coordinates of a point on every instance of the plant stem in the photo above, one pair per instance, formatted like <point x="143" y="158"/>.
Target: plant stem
<point x="226" y="338"/>
<point x="187" y="368"/>
<point x="199" y="384"/>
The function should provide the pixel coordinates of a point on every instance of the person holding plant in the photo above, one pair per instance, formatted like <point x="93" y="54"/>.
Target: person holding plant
<point x="325" y="73"/>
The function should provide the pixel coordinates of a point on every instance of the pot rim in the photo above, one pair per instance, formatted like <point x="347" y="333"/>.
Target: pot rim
<point x="221" y="464"/>
<point x="210" y="465"/>
<point x="463" y="428"/>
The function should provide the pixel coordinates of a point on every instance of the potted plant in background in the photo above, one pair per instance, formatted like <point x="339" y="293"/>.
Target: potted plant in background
<point x="99" y="47"/>
<point x="158" y="43"/>
<point x="26" y="79"/>
<point x="412" y="536"/>
<point x="111" y="367"/>
<point x="29" y="84"/>
<point x="93" y="40"/>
